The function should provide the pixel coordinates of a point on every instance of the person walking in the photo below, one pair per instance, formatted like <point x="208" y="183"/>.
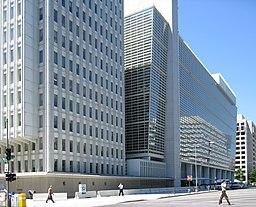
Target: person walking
<point x="224" y="193"/>
<point x="31" y="193"/>
<point x="50" y="193"/>
<point x="121" y="189"/>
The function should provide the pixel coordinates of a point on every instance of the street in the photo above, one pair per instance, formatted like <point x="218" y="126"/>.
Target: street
<point x="238" y="198"/>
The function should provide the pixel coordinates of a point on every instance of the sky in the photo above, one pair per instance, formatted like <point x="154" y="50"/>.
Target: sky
<point x="222" y="33"/>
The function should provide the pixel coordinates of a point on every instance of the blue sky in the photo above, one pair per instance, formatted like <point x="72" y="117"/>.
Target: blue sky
<point x="223" y="35"/>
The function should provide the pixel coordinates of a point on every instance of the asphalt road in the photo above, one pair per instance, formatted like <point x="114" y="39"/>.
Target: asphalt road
<point x="238" y="198"/>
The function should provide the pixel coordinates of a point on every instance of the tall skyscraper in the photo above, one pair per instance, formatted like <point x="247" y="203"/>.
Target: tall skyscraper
<point x="201" y="142"/>
<point x="146" y="51"/>
<point x="245" y="146"/>
<point x="207" y="121"/>
<point x="169" y="47"/>
<point x="62" y="85"/>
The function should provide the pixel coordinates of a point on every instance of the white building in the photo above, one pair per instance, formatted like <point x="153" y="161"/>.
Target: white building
<point x="245" y="146"/>
<point x="62" y="85"/>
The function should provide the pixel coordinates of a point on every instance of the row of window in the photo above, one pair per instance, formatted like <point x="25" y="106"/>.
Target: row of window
<point x="108" y="19"/>
<point x="72" y="86"/>
<point x="11" y="12"/>
<point x="94" y="168"/>
<point x="97" y="114"/>
<point x="93" y="149"/>
<point x="93" y="7"/>
<point x="80" y="127"/>
<point x="93" y="42"/>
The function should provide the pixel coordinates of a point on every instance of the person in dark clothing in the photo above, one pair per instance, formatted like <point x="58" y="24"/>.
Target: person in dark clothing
<point x="31" y="193"/>
<point x="224" y="193"/>
<point x="50" y="193"/>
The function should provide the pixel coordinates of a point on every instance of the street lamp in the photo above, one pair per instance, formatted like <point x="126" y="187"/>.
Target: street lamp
<point x="196" y="168"/>
<point x="210" y="142"/>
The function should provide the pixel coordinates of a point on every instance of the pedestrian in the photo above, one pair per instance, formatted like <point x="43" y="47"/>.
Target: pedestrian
<point x="121" y="189"/>
<point x="50" y="193"/>
<point x="31" y="193"/>
<point x="223" y="192"/>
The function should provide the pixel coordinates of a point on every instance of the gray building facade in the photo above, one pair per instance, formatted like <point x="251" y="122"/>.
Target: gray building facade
<point x="146" y="53"/>
<point x="207" y="121"/>
<point x="200" y="108"/>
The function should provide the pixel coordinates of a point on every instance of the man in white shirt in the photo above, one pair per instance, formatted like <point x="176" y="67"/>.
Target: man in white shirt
<point x="223" y="192"/>
<point x="121" y="189"/>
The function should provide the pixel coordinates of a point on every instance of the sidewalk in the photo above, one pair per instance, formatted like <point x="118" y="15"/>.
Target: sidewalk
<point x="103" y="201"/>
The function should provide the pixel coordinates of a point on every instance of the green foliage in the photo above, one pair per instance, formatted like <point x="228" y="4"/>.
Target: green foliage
<point x="253" y="176"/>
<point x="239" y="175"/>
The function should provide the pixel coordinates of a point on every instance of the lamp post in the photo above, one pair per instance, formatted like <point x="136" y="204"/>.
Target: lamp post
<point x="210" y="142"/>
<point x="196" y="169"/>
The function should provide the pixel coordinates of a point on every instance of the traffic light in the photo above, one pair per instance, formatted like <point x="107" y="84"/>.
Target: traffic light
<point x="10" y="177"/>
<point x="8" y="153"/>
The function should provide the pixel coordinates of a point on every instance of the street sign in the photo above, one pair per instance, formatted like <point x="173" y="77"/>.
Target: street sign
<point x="82" y="188"/>
<point x="189" y="178"/>
<point x="6" y="169"/>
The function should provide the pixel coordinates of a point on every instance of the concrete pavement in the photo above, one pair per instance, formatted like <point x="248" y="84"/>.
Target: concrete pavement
<point x="104" y="201"/>
<point x="240" y="198"/>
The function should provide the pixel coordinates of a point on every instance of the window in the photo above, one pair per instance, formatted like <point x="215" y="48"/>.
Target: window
<point x="71" y="126"/>
<point x="84" y="148"/>
<point x="40" y="143"/>
<point x="41" y="101"/>
<point x="63" y="124"/>
<point x="71" y="167"/>
<point x="63" y="145"/>
<point x="55" y="145"/>
<point x="63" y="21"/>
<point x="84" y="129"/>
<point x="40" y="121"/>
<point x="71" y="6"/>
<point x="41" y="35"/>
<point x="55" y="122"/>
<point x="63" y="82"/>
<point x="77" y="108"/>
<point x="63" y="165"/>
<point x="71" y="146"/>
<point x="63" y="61"/>
<point x="78" y="147"/>
<point x="55" y="79"/>
<point x="63" y="103"/>
<point x="55" y="100"/>
<point x="55" y="15"/>
<point x="40" y="56"/>
<point x="55" y="36"/>
<point x="55" y="57"/>
<point x="40" y="14"/>
<point x="70" y="105"/>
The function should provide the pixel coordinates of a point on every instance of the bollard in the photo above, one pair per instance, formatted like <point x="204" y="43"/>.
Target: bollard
<point x="22" y="200"/>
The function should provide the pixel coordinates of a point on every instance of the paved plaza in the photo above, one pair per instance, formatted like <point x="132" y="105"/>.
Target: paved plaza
<point x="238" y="198"/>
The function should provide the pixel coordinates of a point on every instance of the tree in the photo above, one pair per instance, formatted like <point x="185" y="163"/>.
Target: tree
<point x="253" y="176"/>
<point x="239" y="175"/>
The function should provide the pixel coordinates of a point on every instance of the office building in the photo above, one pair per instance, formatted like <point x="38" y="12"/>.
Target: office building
<point x="245" y="146"/>
<point x="151" y="61"/>
<point x="205" y="106"/>
<point x="207" y="121"/>
<point x="62" y="86"/>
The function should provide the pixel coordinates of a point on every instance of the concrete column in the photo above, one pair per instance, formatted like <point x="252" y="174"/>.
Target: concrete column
<point x="199" y="174"/>
<point x="207" y="174"/>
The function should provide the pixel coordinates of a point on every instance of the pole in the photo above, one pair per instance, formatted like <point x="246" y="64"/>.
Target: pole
<point x="8" y="164"/>
<point x="196" y="169"/>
